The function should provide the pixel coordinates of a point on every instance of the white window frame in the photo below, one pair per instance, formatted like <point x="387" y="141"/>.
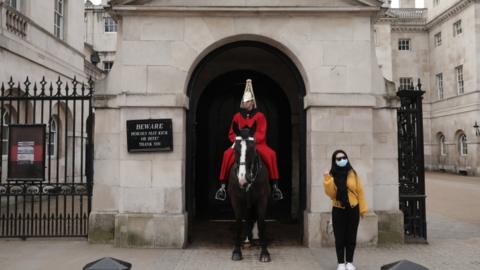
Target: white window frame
<point x="457" y="28"/>
<point x="404" y="44"/>
<point x="105" y="64"/>
<point x="59" y="18"/>
<point x="441" y="141"/>
<point x="462" y="144"/>
<point x="437" y="39"/>
<point x="14" y="4"/>
<point x="405" y="83"/>
<point x="459" y="79"/>
<point x="109" y="25"/>
<point x="52" y="132"/>
<point x="439" y="83"/>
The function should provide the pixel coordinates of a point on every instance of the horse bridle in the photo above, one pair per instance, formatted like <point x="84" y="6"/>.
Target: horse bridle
<point x="253" y="172"/>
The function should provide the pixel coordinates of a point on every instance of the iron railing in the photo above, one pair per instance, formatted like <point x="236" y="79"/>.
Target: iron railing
<point x="60" y="204"/>
<point x="411" y="167"/>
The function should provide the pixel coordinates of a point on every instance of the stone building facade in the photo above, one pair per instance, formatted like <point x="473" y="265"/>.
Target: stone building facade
<point x="41" y="38"/>
<point x="100" y="34"/>
<point x="438" y="45"/>
<point x="313" y="62"/>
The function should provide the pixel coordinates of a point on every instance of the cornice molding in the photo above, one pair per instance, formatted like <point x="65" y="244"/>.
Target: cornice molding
<point x="228" y="10"/>
<point x="451" y="12"/>
<point x="409" y="28"/>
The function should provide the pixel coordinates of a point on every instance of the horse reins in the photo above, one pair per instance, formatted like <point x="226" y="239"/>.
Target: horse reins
<point x="253" y="172"/>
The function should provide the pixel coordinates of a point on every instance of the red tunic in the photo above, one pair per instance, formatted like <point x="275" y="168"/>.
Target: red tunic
<point x="268" y="156"/>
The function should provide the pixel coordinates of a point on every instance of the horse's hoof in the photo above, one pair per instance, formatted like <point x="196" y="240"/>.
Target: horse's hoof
<point x="265" y="257"/>
<point x="237" y="256"/>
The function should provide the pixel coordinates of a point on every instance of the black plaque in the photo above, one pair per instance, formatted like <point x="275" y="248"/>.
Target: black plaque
<point x="149" y="135"/>
<point x="26" y="153"/>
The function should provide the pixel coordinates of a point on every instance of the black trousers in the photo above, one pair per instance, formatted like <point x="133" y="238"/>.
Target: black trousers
<point x="345" y="226"/>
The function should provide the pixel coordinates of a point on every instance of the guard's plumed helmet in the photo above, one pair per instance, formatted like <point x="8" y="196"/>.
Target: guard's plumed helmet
<point x="248" y="93"/>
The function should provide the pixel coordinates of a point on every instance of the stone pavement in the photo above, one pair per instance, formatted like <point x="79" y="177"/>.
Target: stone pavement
<point x="453" y="226"/>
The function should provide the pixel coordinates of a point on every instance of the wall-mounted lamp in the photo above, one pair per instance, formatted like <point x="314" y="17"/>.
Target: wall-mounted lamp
<point x="476" y="127"/>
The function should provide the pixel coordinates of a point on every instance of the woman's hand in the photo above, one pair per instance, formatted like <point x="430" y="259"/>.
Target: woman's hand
<point x="326" y="173"/>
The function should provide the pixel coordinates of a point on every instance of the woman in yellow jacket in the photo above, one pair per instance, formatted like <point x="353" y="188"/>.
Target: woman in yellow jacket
<point x="343" y="186"/>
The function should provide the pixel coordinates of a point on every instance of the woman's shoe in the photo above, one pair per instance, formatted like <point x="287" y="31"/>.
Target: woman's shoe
<point x="350" y="266"/>
<point x="341" y="266"/>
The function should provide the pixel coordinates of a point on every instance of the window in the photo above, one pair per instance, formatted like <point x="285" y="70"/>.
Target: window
<point x="107" y="65"/>
<point x="7" y="119"/>
<point x="52" y="137"/>
<point x="437" y="39"/>
<point x="443" y="149"/>
<point x="457" y="28"/>
<point x="436" y="2"/>
<point x="110" y="24"/>
<point x="462" y="145"/>
<point x="439" y="78"/>
<point x="58" y="23"/>
<point x="406" y="83"/>
<point x="459" y="76"/>
<point x="404" y="44"/>
<point x="13" y="4"/>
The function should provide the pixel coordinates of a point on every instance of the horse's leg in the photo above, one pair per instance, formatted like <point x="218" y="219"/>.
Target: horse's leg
<point x="250" y="220"/>
<point x="237" y="251"/>
<point x="262" y="213"/>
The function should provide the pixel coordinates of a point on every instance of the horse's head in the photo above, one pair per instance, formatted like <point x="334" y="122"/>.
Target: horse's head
<point x="245" y="153"/>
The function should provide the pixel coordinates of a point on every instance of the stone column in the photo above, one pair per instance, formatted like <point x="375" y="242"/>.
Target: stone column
<point x="138" y="198"/>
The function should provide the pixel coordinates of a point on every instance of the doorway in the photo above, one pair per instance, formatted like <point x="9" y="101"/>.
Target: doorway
<point x="215" y="90"/>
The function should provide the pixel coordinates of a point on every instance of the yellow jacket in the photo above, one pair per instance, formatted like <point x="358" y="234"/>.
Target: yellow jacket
<point x="355" y="192"/>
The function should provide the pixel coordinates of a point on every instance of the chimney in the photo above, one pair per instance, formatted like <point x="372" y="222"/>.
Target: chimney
<point x="407" y="3"/>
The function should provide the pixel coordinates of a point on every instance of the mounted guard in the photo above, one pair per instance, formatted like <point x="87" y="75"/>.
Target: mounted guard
<point x="246" y="118"/>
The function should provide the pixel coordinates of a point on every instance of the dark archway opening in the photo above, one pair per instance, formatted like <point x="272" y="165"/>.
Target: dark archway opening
<point x="215" y="90"/>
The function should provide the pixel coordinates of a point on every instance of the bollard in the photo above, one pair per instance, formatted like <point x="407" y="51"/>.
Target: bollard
<point x="108" y="263"/>
<point x="403" y="265"/>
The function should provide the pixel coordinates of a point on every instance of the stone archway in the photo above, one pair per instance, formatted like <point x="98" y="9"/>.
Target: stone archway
<point x="214" y="90"/>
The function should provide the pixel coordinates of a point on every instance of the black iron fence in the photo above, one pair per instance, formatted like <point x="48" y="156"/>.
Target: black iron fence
<point x="59" y="204"/>
<point x="411" y="167"/>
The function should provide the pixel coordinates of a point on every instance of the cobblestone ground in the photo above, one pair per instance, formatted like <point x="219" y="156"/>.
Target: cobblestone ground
<point x="453" y="226"/>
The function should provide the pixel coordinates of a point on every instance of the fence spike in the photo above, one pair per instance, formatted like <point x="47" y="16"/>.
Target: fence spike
<point x="59" y="86"/>
<point x="90" y="85"/>
<point x="66" y="89"/>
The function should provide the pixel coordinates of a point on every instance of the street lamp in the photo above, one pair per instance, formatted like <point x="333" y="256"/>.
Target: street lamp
<point x="476" y="128"/>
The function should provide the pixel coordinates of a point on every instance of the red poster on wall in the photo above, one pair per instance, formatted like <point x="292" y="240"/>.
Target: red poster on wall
<point x="26" y="155"/>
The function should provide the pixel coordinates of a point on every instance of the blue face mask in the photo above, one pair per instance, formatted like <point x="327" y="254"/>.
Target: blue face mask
<point x="342" y="162"/>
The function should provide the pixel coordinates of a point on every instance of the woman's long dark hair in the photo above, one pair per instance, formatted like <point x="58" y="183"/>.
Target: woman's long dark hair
<point x="334" y="168"/>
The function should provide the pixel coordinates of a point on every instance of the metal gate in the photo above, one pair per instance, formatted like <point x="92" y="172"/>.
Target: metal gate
<point x="411" y="167"/>
<point x="58" y="205"/>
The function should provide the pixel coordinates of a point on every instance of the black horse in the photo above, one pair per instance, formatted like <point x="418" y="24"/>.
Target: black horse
<point x="249" y="190"/>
